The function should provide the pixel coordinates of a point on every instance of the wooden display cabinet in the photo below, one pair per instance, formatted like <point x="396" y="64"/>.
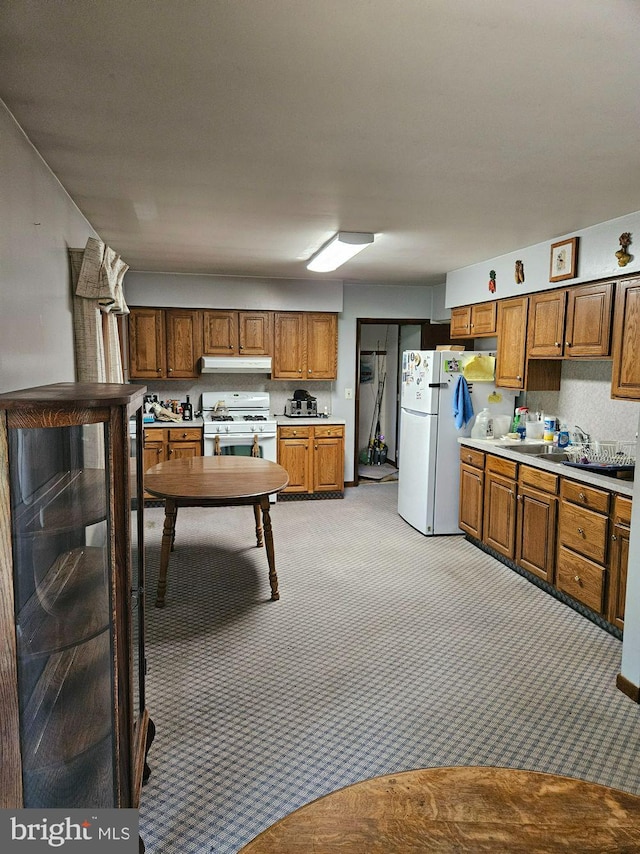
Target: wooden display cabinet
<point x="75" y="729"/>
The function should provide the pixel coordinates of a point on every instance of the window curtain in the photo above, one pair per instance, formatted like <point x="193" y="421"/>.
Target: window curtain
<point x="97" y="276"/>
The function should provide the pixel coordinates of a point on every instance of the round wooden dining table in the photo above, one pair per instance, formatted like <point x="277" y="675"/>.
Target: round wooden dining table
<point x="216" y="481"/>
<point x="479" y="810"/>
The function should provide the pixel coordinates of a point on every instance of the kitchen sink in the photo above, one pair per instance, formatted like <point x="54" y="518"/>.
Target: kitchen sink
<point x="545" y="452"/>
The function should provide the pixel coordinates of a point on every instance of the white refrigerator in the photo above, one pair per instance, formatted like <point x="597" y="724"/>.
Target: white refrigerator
<point x="429" y="452"/>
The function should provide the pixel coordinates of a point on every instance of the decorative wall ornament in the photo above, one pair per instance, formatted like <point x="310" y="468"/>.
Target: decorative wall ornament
<point x="564" y="260"/>
<point x="622" y="255"/>
<point x="492" y="281"/>
<point x="519" y="272"/>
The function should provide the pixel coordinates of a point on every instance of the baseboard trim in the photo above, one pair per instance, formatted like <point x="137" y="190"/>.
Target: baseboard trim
<point x="632" y="691"/>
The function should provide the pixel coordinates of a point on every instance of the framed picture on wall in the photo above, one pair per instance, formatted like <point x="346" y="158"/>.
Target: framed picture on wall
<point x="564" y="260"/>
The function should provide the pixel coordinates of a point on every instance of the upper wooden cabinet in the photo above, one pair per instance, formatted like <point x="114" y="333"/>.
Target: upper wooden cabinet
<point x="473" y="321"/>
<point x="164" y="343"/>
<point x="625" y="378"/>
<point x="512" y="336"/>
<point x="237" y="333"/>
<point x="571" y="323"/>
<point x="306" y="346"/>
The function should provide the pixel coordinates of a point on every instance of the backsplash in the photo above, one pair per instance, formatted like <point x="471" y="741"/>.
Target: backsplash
<point x="585" y="400"/>
<point x="279" y="390"/>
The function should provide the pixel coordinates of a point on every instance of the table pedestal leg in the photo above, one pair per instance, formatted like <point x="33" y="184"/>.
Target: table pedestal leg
<point x="268" y="539"/>
<point x="168" y="535"/>
<point x="258" y="517"/>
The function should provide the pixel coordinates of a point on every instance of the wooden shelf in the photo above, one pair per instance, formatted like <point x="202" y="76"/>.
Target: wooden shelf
<point x="69" y="501"/>
<point x="78" y="679"/>
<point x="69" y="606"/>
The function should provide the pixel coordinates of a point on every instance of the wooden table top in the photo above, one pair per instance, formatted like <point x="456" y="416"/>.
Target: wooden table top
<point x="215" y="478"/>
<point x="461" y="809"/>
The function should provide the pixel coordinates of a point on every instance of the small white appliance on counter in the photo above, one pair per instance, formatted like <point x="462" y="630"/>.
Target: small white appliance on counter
<point x="429" y="453"/>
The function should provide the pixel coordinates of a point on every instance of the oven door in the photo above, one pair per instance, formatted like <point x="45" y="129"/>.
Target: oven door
<point x="242" y="444"/>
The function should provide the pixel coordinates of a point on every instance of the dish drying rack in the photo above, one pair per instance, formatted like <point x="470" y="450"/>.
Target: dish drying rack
<point x="603" y="453"/>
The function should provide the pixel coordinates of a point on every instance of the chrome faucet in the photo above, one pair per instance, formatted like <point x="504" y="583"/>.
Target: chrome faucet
<point x="582" y="435"/>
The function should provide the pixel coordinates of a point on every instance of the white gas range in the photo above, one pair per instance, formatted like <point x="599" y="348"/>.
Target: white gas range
<point x="239" y="422"/>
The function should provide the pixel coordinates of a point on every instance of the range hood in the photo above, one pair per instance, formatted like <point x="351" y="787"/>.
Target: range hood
<point x="235" y="365"/>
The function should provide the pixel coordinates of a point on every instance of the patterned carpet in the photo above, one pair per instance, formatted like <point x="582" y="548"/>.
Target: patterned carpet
<point x="387" y="651"/>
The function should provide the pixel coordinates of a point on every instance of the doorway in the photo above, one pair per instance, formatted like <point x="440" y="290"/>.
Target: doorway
<point x="379" y="347"/>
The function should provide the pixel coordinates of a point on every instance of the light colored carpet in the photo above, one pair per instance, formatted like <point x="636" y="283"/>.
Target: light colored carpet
<point x="387" y="651"/>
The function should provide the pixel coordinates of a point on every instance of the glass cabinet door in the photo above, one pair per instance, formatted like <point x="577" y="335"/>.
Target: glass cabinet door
<point x="59" y="486"/>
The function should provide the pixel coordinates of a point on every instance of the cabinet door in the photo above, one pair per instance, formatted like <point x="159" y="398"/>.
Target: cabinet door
<point x="588" y="331"/>
<point x="322" y="346"/>
<point x="220" y="333"/>
<point x="499" y="523"/>
<point x="618" y="582"/>
<point x="328" y="465"/>
<point x="289" y="346"/>
<point x="184" y="450"/>
<point x="483" y="319"/>
<point x="184" y="342"/>
<point x="294" y="456"/>
<point x="512" y="332"/>
<point x="147" y="356"/>
<point x="255" y="333"/>
<point x="470" y="506"/>
<point x="154" y="447"/>
<point x="625" y="378"/>
<point x="461" y="322"/>
<point x="545" y="336"/>
<point x="536" y="532"/>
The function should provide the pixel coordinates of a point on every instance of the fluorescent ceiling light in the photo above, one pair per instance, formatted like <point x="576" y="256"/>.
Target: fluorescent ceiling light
<point x="341" y="247"/>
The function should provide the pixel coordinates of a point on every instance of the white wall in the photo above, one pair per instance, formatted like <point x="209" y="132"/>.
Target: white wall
<point x="38" y="223"/>
<point x="596" y="260"/>
<point x="630" y="667"/>
<point x="200" y="291"/>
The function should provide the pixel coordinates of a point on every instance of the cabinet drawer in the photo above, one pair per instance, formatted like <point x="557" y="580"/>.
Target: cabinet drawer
<point x="585" y="496"/>
<point x="184" y="434"/>
<point x="507" y="468"/>
<point x="621" y="510"/>
<point x="294" y="432"/>
<point x="329" y="430"/>
<point x="538" y="479"/>
<point x="471" y="457"/>
<point x="580" y="578"/>
<point x="584" y="531"/>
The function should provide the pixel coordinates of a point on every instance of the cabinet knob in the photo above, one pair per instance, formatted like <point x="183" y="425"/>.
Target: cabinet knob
<point x="158" y="370"/>
<point x="519" y="378"/>
<point x="230" y="346"/>
<point x="581" y="531"/>
<point x="472" y="325"/>
<point x="576" y="578"/>
<point x="469" y="457"/>
<point x="169" y="370"/>
<point x="315" y="447"/>
<point x="567" y="343"/>
<point x="184" y="435"/>
<point x="295" y="432"/>
<point x="557" y="344"/>
<point x="309" y="371"/>
<point x="582" y="496"/>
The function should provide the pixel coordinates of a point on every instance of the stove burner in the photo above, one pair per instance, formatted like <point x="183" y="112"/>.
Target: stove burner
<point x="255" y="418"/>
<point x="222" y="417"/>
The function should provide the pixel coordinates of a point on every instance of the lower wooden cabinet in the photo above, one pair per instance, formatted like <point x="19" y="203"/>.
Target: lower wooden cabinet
<point x="536" y="521"/>
<point x="471" y="492"/>
<point x="313" y="457"/>
<point x="583" y="543"/>
<point x="621" y="523"/>
<point x="499" y="519"/>
<point x="170" y="443"/>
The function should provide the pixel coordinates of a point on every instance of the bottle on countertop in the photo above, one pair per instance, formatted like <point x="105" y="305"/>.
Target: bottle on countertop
<point x="187" y="410"/>
<point x="563" y="436"/>
<point x="481" y="425"/>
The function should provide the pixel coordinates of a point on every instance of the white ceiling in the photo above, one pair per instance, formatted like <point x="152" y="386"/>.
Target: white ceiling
<point x="236" y="136"/>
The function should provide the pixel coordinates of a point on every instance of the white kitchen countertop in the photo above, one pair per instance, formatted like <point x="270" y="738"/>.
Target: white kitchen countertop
<point x="286" y="421"/>
<point x="508" y="449"/>
<point x="195" y="422"/>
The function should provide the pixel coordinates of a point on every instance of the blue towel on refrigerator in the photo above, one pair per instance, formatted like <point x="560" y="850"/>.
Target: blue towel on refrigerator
<point x="462" y="406"/>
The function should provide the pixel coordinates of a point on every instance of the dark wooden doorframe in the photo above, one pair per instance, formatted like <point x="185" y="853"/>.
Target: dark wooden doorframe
<point x="431" y="335"/>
